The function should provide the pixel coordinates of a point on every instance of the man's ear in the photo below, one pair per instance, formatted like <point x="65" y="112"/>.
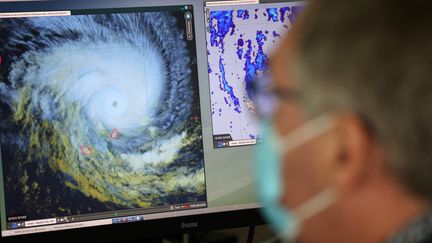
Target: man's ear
<point x="356" y="156"/>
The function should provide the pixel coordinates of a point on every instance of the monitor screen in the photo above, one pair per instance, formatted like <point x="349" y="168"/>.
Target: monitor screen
<point x="239" y="40"/>
<point x="113" y="113"/>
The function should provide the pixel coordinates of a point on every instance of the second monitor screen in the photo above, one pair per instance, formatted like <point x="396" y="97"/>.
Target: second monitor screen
<point x="239" y="41"/>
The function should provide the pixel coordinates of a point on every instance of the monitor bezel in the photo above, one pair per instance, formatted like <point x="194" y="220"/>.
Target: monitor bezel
<point x="146" y="229"/>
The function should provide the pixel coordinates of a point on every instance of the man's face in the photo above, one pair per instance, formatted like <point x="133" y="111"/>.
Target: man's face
<point x="306" y="170"/>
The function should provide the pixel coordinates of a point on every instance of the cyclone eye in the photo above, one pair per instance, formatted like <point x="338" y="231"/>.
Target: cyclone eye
<point x="118" y="88"/>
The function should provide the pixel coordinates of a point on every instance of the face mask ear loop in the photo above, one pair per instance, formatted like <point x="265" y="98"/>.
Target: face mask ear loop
<point x="305" y="132"/>
<point x="316" y="204"/>
<point x="306" y="210"/>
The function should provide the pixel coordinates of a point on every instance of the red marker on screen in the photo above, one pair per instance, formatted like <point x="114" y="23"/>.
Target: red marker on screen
<point x="115" y="134"/>
<point x="86" y="150"/>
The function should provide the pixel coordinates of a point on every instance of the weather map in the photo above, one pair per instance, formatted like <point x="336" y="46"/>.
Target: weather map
<point x="239" y="42"/>
<point x="99" y="112"/>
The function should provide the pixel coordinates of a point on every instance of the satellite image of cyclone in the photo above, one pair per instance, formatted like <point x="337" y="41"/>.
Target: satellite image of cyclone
<point x="98" y="113"/>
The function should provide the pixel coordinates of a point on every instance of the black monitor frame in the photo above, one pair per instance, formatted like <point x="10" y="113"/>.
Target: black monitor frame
<point x="147" y="228"/>
<point x="150" y="229"/>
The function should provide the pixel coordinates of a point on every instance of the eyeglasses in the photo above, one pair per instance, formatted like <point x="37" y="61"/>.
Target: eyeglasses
<point x="266" y="96"/>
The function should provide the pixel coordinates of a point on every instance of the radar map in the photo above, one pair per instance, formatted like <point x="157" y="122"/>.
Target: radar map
<point x="239" y="41"/>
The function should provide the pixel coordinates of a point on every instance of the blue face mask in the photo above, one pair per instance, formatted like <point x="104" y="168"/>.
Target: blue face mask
<point x="286" y="222"/>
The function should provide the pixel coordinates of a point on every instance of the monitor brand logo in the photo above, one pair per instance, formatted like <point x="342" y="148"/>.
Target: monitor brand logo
<point x="188" y="225"/>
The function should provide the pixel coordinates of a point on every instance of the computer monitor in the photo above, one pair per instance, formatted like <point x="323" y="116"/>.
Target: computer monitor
<point x="127" y="119"/>
<point x="240" y="39"/>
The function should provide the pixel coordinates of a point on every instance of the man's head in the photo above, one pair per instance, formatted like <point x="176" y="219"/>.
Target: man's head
<point x="367" y="64"/>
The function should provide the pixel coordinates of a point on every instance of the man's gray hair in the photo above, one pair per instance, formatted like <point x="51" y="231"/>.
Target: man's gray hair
<point x="374" y="57"/>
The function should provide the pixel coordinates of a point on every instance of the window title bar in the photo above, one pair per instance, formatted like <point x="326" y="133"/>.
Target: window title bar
<point x="34" y="14"/>
<point x="237" y="2"/>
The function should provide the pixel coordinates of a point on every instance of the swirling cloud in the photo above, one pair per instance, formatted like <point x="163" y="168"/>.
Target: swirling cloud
<point x="77" y="79"/>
